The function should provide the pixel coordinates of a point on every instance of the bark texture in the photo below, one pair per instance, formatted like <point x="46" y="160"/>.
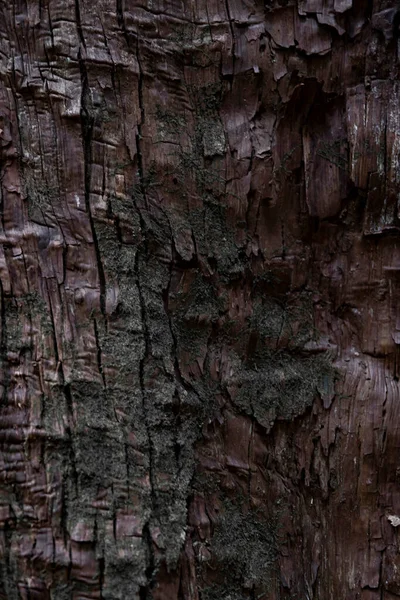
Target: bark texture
<point x="199" y="271"/>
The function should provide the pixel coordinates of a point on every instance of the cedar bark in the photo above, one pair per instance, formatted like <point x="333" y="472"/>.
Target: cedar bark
<point x="199" y="264"/>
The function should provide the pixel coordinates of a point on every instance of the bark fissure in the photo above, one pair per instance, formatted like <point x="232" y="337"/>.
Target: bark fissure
<point x="87" y="138"/>
<point x="149" y="573"/>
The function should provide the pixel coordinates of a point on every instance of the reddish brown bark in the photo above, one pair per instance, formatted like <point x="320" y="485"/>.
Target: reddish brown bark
<point x="199" y="322"/>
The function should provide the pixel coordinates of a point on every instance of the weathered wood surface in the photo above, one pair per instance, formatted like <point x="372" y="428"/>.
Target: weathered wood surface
<point x="199" y="270"/>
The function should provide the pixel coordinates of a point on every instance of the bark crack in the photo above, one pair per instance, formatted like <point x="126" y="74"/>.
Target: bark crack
<point x="87" y="123"/>
<point x="233" y="49"/>
<point x="150" y="571"/>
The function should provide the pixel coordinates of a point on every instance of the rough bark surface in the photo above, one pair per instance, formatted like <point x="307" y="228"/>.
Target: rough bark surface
<point x="199" y="270"/>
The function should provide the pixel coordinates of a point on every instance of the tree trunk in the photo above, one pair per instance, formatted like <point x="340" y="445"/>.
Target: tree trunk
<point x="199" y="264"/>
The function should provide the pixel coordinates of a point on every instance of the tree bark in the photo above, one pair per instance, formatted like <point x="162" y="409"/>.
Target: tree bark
<point x="199" y="264"/>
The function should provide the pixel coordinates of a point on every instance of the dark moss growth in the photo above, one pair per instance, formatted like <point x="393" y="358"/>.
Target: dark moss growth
<point x="100" y="456"/>
<point x="289" y="319"/>
<point x="122" y="350"/>
<point x="205" y="482"/>
<point x="198" y="163"/>
<point x="191" y="164"/>
<point x="207" y="99"/>
<point x="19" y="309"/>
<point x="268" y="319"/>
<point x="281" y="385"/>
<point x="215" y="240"/>
<point x="199" y="300"/>
<point x="41" y="195"/>
<point x="194" y="313"/>
<point x="169" y="123"/>
<point x="148" y="181"/>
<point x="232" y="331"/>
<point x="61" y="591"/>
<point x="266" y="280"/>
<point x="124" y="207"/>
<point x="125" y="568"/>
<point x="128" y="300"/>
<point x="208" y="140"/>
<point x="133" y="206"/>
<point x="191" y="338"/>
<point x="244" y="550"/>
<point x="213" y="138"/>
<point x="39" y="192"/>
<point x="192" y="43"/>
<point x="116" y="257"/>
<point x="9" y="572"/>
<point x="53" y="414"/>
<point x="93" y="407"/>
<point x="38" y="308"/>
<point x="13" y="327"/>
<point x="223" y="592"/>
<point x="171" y="439"/>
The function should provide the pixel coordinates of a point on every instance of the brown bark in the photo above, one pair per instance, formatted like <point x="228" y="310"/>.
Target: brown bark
<point x="199" y="264"/>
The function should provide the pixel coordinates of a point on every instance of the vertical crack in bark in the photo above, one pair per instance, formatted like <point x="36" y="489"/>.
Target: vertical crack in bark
<point x="51" y="29"/>
<point x="174" y="254"/>
<point x="249" y="457"/>
<point x="385" y="171"/>
<point x="121" y="21"/>
<point x="6" y="569"/>
<point x="283" y="239"/>
<point x="102" y="568"/>
<point x="3" y="348"/>
<point x="12" y="84"/>
<point x="140" y="124"/>
<point x="144" y="591"/>
<point x="87" y="123"/>
<point x="380" y="586"/>
<point x="186" y="385"/>
<point x="71" y="473"/>
<point x="79" y="24"/>
<point x="98" y="347"/>
<point x="150" y="571"/>
<point x="233" y="51"/>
